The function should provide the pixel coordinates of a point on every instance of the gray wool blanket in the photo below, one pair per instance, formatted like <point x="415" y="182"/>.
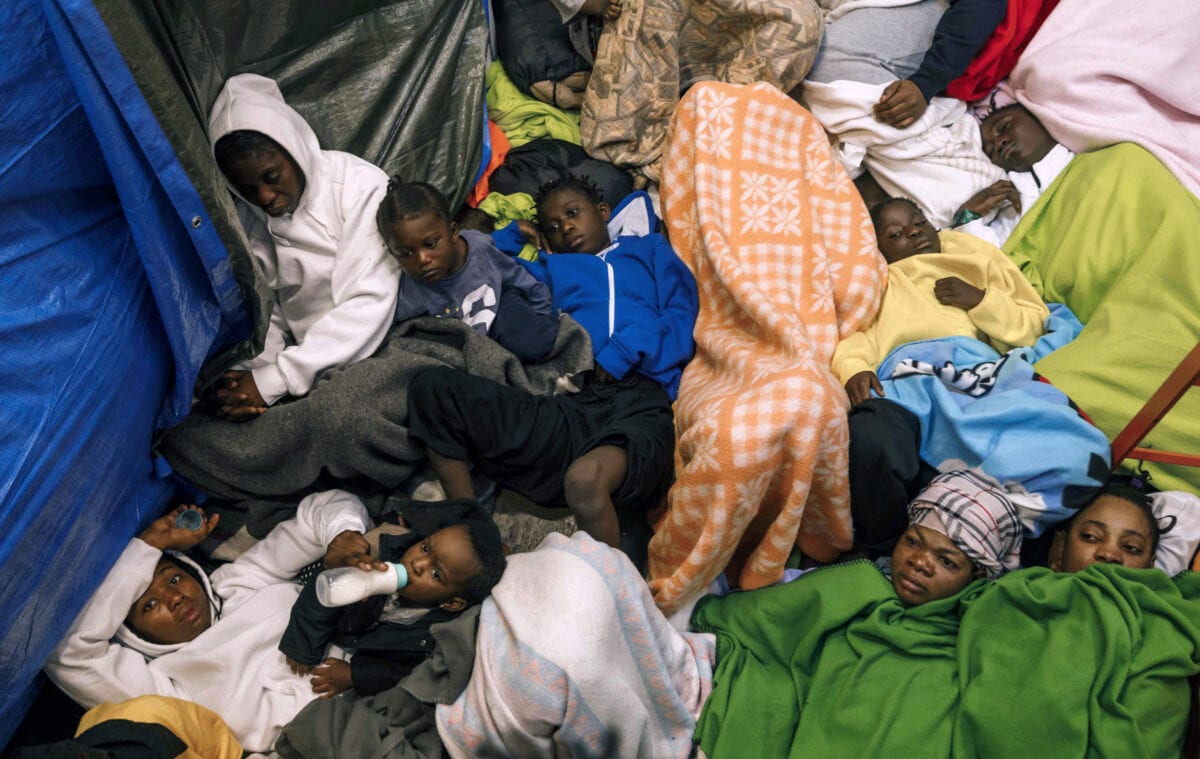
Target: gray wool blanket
<point x="352" y="425"/>
<point x="398" y="723"/>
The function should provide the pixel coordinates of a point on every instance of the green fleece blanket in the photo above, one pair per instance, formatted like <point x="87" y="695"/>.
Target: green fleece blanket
<point x="1117" y="238"/>
<point x="1038" y="664"/>
<point x="1090" y="664"/>
<point x="833" y="664"/>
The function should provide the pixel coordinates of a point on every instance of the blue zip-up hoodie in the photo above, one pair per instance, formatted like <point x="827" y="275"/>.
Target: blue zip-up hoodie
<point x="636" y="299"/>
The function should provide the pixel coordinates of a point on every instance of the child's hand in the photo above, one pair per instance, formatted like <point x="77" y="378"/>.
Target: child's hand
<point x="298" y="668"/>
<point x="860" y="386"/>
<point x="992" y="197"/>
<point x="613" y="10"/>
<point x="237" y="397"/>
<point x="900" y="105"/>
<point x="532" y="234"/>
<point x="331" y="678"/>
<point x="952" y="291"/>
<point x="351" y="549"/>
<point x="164" y="535"/>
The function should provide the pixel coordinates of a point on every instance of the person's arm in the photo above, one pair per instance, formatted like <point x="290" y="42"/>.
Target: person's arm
<point x="291" y="546"/>
<point x="363" y="289"/>
<point x="277" y="339"/>
<point x="513" y="276"/>
<point x="666" y="342"/>
<point x="1010" y="313"/>
<point x="959" y="36"/>
<point x="509" y="239"/>
<point x="857" y="353"/>
<point x="87" y="664"/>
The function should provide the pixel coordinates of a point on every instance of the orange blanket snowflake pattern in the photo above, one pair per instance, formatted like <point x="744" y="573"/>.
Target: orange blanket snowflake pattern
<point x="786" y="262"/>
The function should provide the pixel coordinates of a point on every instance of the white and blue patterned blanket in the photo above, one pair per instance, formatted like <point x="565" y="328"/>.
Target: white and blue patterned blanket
<point x="981" y="409"/>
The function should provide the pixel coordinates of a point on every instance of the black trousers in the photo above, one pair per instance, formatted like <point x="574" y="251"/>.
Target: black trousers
<point x="886" y="472"/>
<point x="526" y="442"/>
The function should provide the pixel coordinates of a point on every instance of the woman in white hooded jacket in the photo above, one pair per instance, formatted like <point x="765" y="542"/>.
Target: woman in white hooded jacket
<point x="318" y="245"/>
<point x="215" y="643"/>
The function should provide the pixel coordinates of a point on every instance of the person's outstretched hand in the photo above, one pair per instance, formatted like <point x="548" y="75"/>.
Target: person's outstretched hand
<point x="952" y="291"/>
<point x="859" y="387"/>
<point x="901" y="104"/>
<point x="164" y="535"/>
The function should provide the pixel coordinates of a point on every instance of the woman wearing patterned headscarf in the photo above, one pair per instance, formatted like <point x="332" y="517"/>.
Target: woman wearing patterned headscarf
<point x="961" y="526"/>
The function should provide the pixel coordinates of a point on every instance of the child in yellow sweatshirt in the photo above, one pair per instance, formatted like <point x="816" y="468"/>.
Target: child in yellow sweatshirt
<point x="940" y="284"/>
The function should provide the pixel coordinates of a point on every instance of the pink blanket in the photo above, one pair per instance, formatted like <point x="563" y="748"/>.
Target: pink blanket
<point x="1100" y="72"/>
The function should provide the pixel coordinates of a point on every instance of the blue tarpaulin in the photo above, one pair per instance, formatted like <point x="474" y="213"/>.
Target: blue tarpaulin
<point x="116" y="285"/>
<point x="114" y="290"/>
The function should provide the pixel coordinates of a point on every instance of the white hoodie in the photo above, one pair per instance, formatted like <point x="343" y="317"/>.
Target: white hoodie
<point x="1030" y="184"/>
<point x="335" y="284"/>
<point x="234" y="667"/>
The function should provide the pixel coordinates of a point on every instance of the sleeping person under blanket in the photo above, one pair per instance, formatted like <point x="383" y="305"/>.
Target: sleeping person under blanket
<point x="939" y="285"/>
<point x="1017" y="142"/>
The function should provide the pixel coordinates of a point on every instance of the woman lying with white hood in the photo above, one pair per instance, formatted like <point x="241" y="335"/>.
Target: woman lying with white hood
<point x="159" y="625"/>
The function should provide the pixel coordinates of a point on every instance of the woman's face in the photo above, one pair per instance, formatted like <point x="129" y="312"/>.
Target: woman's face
<point x="926" y="566"/>
<point x="174" y="609"/>
<point x="1110" y="530"/>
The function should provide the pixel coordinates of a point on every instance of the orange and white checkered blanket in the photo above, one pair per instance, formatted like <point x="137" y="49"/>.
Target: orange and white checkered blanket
<point x="786" y="262"/>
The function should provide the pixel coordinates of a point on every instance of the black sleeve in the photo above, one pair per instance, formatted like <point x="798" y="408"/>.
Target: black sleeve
<point x="375" y="674"/>
<point x="310" y="628"/>
<point x="960" y="34"/>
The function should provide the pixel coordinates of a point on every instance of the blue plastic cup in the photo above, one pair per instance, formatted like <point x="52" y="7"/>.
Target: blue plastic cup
<point x="190" y="520"/>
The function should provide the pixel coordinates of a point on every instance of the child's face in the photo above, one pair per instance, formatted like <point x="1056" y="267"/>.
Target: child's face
<point x="428" y="248"/>
<point x="272" y="182"/>
<point x="1014" y="140"/>
<point x="903" y="231"/>
<point x="439" y="568"/>
<point x="174" y="609"/>
<point x="574" y="224"/>
<point x="1110" y="530"/>
<point x="926" y="566"/>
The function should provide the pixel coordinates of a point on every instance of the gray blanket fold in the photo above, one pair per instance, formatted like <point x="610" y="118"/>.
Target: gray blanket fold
<point x="352" y="424"/>
<point x="397" y="723"/>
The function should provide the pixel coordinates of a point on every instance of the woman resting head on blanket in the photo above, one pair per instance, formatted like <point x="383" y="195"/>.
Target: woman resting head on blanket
<point x="961" y="527"/>
<point x="1118" y="527"/>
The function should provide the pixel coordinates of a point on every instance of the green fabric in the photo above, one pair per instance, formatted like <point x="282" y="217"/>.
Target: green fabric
<point x="1035" y="664"/>
<point x="1089" y="664"/>
<point x="1117" y="238"/>
<point x="506" y="209"/>
<point x="833" y="664"/>
<point x="524" y="119"/>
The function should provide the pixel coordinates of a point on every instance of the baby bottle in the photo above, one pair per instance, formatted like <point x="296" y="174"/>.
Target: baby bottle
<point x="345" y="585"/>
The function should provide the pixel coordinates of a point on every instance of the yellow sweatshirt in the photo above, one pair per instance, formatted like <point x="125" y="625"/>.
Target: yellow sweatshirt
<point x="1011" y="313"/>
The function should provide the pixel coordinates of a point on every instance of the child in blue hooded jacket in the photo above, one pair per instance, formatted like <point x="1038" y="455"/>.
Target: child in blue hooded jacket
<point x="611" y="445"/>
